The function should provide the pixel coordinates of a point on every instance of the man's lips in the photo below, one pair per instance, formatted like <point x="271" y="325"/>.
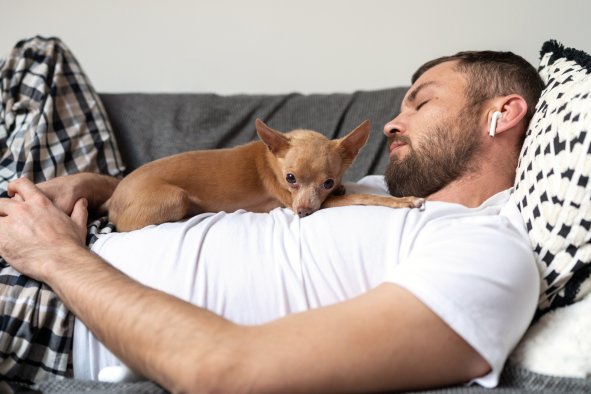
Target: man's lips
<point x="396" y="145"/>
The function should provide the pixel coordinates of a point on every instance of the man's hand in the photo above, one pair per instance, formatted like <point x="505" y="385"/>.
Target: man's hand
<point x="65" y="191"/>
<point x="32" y="228"/>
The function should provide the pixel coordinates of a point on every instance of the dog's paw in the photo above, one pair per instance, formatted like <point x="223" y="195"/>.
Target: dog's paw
<point x="418" y="202"/>
<point x="404" y="202"/>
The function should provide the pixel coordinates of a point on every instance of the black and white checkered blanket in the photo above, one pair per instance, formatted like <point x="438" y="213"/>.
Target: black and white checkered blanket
<point x="52" y="123"/>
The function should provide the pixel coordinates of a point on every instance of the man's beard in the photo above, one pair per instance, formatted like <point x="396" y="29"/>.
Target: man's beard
<point x="444" y="154"/>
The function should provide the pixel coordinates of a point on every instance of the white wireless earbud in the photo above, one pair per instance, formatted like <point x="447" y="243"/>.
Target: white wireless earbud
<point x="493" y="123"/>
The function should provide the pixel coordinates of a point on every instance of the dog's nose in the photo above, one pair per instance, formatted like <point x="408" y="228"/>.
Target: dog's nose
<point x="304" y="211"/>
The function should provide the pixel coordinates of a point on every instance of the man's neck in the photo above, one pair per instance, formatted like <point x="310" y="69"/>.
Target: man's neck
<point x="472" y="190"/>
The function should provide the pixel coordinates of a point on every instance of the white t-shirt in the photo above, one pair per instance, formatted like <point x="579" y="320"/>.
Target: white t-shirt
<point x="473" y="267"/>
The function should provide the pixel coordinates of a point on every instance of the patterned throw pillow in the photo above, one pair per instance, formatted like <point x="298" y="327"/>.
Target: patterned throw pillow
<point x="552" y="185"/>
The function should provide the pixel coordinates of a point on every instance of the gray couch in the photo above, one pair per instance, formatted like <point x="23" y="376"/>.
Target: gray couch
<point x="149" y="126"/>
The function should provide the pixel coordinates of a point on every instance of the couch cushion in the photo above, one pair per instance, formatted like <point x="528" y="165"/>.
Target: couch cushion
<point x="150" y="126"/>
<point x="514" y="380"/>
<point x="552" y="185"/>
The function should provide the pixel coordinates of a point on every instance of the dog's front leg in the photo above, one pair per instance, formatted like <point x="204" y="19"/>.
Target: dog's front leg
<point x="373" y="199"/>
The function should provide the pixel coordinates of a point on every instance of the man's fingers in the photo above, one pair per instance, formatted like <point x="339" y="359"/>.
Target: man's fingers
<point x="23" y="187"/>
<point x="80" y="217"/>
<point x="5" y="204"/>
<point x="80" y="213"/>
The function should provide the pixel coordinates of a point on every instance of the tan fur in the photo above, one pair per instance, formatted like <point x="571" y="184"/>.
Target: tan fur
<point x="250" y="176"/>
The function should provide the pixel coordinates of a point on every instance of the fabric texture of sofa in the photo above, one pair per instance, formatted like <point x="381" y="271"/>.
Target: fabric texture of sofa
<point x="149" y="126"/>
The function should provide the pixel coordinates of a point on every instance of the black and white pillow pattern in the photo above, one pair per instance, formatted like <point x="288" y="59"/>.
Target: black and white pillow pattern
<point x="552" y="185"/>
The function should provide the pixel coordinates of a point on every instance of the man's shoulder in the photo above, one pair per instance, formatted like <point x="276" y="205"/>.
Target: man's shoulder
<point x="370" y="184"/>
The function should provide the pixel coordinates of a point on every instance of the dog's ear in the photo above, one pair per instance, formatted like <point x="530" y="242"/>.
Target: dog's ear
<point x="351" y="144"/>
<point x="275" y="140"/>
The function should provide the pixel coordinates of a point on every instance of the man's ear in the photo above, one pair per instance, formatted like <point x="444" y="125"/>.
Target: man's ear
<point x="513" y="109"/>
<point x="276" y="141"/>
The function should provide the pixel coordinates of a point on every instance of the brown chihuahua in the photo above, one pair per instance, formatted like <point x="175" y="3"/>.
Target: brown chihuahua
<point x="300" y="169"/>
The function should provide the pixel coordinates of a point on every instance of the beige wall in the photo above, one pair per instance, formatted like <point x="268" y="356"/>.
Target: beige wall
<point x="275" y="46"/>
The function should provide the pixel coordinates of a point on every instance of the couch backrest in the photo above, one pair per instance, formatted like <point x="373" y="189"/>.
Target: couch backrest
<point x="150" y="126"/>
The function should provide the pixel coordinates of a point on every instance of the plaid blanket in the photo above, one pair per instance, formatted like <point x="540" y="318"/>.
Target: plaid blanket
<point x="52" y="123"/>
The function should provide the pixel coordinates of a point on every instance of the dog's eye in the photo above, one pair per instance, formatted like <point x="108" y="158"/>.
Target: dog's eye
<point x="290" y="178"/>
<point x="328" y="184"/>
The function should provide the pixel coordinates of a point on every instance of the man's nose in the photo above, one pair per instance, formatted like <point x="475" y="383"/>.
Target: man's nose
<point x="392" y="127"/>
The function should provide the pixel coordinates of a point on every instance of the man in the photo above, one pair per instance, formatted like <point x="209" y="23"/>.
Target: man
<point x="449" y="289"/>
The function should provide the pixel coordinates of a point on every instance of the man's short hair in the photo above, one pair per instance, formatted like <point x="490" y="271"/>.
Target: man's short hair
<point x="491" y="74"/>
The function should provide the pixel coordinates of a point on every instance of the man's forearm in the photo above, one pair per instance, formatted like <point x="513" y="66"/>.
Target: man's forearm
<point x="155" y="334"/>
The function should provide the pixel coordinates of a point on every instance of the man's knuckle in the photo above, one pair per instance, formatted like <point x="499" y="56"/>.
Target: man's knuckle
<point x="40" y="199"/>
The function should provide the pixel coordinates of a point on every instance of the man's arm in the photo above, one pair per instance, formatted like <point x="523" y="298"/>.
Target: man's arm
<point x="65" y="190"/>
<point x="384" y="339"/>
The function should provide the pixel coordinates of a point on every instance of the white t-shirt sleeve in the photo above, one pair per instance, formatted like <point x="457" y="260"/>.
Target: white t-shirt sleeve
<point x="484" y="290"/>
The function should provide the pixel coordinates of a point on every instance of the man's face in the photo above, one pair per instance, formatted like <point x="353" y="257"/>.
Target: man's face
<point x="436" y="136"/>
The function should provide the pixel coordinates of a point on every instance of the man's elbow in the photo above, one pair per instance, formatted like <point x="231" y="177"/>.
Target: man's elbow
<point x="476" y="367"/>
<point x="219" y="372"/>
